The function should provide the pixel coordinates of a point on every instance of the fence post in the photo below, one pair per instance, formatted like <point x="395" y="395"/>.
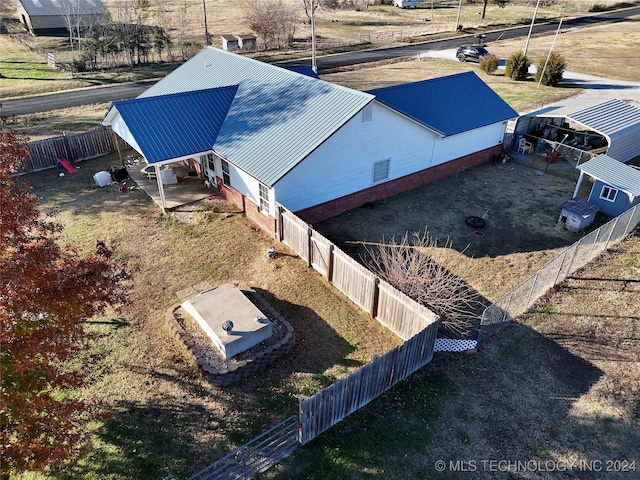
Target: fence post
<point x="309" y="245"/>
<point x="573" y="257"/>
<point x="611" y="233"/>
<point x="535" y="281"/>
<point x="375" y="297"/>
<point x="506" y="309"/>
<point x="280" y="227"/>
<point x="631" y="214"/>
<point x="245" y="472"/>
<point x="330" y="266"/>
<point x="564" y="255"/>
<point x="70" y="155"/>
<point x="301" y="439"/>
<point x="595" y="242"/>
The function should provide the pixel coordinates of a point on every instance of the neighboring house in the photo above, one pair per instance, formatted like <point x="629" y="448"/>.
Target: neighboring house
<point x="264" y="134"/>
<point x="616" y="186"/>
<point x="611" y="127"/>
<point x="46" y="17"/>
<point x="229" y="42"/>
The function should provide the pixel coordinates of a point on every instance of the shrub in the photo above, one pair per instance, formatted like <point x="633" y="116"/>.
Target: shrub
<point x="553" y="71"/>
<point x="517" y="67"/>
<point x="489" y="63"/>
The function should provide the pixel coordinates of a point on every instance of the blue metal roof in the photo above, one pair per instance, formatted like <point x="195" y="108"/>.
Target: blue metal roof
<point x="277" y="117"/>
<point x="175" y="125"/>
<point x="304" y="70"/>
<point x="448" y="105"/>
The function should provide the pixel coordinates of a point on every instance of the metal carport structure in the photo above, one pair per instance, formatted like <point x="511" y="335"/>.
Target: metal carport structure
<point x="611" y="127"/>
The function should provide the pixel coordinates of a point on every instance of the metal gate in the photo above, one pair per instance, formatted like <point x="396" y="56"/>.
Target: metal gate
<point x="256" y="456"/>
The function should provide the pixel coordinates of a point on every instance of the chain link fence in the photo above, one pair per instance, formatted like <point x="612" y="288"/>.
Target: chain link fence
<point x="521" y="298"/>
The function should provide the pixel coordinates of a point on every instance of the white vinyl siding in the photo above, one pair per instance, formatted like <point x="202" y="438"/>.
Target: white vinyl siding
<point x="348" y="155"/>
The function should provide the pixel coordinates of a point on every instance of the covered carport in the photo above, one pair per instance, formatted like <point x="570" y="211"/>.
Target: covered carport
<point x="579" y="129"/>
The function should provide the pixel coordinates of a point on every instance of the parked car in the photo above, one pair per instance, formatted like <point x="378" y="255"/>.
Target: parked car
<point x="406" y="3"/>
<point x="471" y="53"/>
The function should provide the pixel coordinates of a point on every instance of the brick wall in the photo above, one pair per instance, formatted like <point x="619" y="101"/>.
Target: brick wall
<point x="249" y="208"/>
<point x="409" y="182"/>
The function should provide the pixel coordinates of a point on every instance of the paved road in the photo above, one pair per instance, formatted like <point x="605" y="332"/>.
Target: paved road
<point x="84" y="96"/>
<point x="329" y="62"/>
<point x="110" y="93"/>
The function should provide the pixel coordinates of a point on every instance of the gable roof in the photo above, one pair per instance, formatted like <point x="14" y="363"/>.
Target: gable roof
<point x="277" y="116"/>
<point x="60" y="7"/>
<point x="171" y="126"/>
<point x="614" y="173"/>
<point x="448" y="105"/>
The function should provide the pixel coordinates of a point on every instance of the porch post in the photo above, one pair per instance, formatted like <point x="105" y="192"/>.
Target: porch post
<point x="160" y="187"/>
<point x="575" y="192"/>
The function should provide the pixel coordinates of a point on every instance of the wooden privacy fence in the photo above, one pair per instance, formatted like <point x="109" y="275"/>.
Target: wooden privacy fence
<point x="331" y="405"/>
<point x="412" y="322"/>
<point x="522" y="297"/>
<point x="401" y="314"/>
<point x="75" y="147"/>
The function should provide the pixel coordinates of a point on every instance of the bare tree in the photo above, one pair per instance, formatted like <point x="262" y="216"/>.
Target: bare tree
<point x="326" y="5"/>
<point x="408" y="266"/>
<point x="72" y="15"/>
<point x="274" y="21"/>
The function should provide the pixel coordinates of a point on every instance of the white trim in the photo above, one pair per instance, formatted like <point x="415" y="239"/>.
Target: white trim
<point x="608" y="195"/>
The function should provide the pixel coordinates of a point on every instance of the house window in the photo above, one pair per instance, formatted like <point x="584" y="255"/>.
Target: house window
<point x="367" y="113"/>
<point x="264" y="198"/>
<point x="226" y="178"/>
<point x="210" y="159"/>
<point x="381" y="170"/>
<point x="609" y="194"/>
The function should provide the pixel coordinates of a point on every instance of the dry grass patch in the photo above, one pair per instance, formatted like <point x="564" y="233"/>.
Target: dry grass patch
<point x="608" y="51"/>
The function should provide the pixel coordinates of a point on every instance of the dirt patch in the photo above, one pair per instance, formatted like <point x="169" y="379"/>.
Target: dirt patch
<point x="518" y="204"/>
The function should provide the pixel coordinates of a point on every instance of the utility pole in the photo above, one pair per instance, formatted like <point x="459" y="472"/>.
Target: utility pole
<point x="544" y="68"/>
<point x="458" y="18"/>
<point x="535" y="12"/>
<point x="206" y="29"/>
<point x="314" y="5"/>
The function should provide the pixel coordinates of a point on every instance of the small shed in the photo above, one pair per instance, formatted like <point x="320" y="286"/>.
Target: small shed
<point x="577" y="214"/>
<point x="616" y="186"/>
<point x="229" y="42"/>
<point x="247" y="41"/>
<point x="47" y="17"/>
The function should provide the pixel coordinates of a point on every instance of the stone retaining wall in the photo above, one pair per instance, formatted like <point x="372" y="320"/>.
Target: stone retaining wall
<point x="221" y="377"/>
